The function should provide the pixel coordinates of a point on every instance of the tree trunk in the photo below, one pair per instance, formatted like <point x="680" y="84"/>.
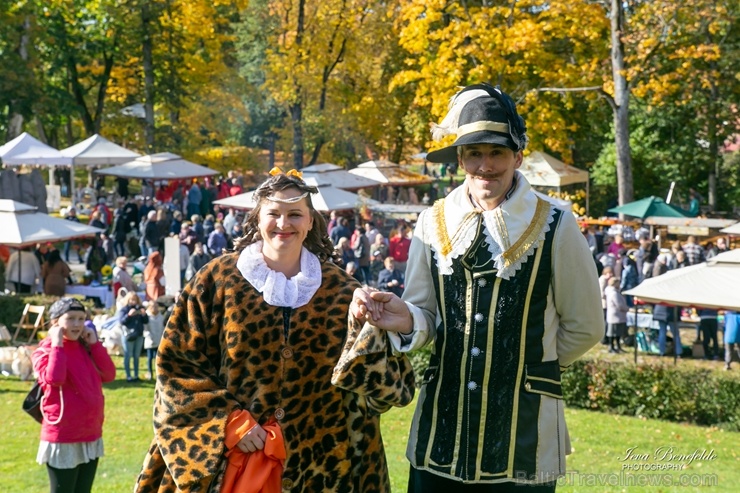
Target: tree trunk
<point x="625" y="184"/>
<point x="146" y="48"/>
<point x="296" y="116"/>
<point x="15" y="120"/>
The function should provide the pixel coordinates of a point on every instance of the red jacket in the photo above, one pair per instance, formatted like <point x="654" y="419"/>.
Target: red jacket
<point x="76" y="376"/>
<point x="398" y="248"/>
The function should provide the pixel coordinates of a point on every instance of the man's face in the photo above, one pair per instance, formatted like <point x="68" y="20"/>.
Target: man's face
<point x="490" y="171"/>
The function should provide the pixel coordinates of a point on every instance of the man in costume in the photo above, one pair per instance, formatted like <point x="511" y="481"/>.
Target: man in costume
<point x="504" y="285"/>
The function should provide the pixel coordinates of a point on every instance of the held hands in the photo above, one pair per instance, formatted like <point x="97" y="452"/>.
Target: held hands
<point x="383" y="310"/>
<point x="254" y="440"/>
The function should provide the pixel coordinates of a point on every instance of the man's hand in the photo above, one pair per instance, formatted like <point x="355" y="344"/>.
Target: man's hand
<point x="382" y="309"/>
<point x="254" y="440"/>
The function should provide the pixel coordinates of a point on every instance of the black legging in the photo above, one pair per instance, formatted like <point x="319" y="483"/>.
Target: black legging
<point x="426" y="482"/>
<point x="77" y="480"/>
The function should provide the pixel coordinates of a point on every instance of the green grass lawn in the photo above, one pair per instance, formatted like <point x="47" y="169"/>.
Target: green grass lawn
<point x="599" y="441"/>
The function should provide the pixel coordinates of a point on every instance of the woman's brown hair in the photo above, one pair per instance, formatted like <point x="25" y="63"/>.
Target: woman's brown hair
<point x="317" y="241"/>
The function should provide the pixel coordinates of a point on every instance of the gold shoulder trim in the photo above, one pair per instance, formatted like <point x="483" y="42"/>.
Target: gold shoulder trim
<point x="438" y="212"/>
<point x="530" y="235"/>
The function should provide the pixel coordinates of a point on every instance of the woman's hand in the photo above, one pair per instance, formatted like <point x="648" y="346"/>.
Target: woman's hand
<point x="254" y="440"/>
<point x="382" y="309"/>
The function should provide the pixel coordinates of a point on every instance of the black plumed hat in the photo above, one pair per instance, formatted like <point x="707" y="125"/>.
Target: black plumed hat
<point x="479" y="114"/>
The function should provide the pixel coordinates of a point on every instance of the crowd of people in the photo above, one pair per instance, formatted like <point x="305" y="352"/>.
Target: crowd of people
<point x="623" y="269"/>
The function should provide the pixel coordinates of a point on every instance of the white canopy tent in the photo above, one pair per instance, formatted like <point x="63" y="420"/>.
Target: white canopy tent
<point x="732" y="230"/>
<point x="96" y="151"/>
<point x="389" y="173"/>
<point x="711" y="284"/>
<point x="542" y="170"/>
<point x="160" y="166"/>
<point x="328" y="199"/>
<point x="336" y="176"/>
<point x="26" y="149"/>
<point x="21" y="225"/>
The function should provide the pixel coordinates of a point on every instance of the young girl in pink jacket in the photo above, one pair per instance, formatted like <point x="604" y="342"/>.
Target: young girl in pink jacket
<point x="71" y="365"/>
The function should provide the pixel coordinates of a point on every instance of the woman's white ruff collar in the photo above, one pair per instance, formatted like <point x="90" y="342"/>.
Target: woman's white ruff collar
<point x="274" y="286"/>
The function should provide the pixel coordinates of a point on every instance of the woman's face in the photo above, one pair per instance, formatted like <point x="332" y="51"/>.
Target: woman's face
<point x="284" y="227"/>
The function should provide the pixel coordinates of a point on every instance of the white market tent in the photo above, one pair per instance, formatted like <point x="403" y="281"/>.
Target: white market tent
<point x="160" y="166"/>
<point x="389" y="173"/>
<point x="336" y="176"/>
<point x="328" y="199"/>
<point x="22" y="225"/>
<point x="711" y="284"/>
<point x="96" y="151"/>
<point x="542" y="170"/>
<point x="732" y="230"/>
<point x="26" y="149"/>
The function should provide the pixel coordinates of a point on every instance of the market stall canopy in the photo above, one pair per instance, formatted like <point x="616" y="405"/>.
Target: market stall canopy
<point x="328" y="199"/>
<point x="21" y="225"/>
<point x="649" y="206"/>
<point x="160" y="166"/>
<point x="336" y="176"/>
<point x="388" y="173"/>
<point x="698" y="226"/>
<point x="26" y="149"/>
<point x="732" y="230"/>
<point x="711" y="284"/>
<point x="543" y="170"/>
<point x="98" y="151"/>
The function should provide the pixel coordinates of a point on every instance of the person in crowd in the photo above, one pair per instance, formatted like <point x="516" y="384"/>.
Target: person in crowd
<point x="667" y="319"/>
<point x="645" y="256"/>
<point x="121" y="277"/>
<point x="42" y="252"/>
<point x="55" y="273"/>
<point x="616" y="246"/>
<point x="96" y="259"/>
<point x="708" y="325"/>
<point x="196" y="225"/>
<point x="616" y="315"/>
<point x="145" y="208"/>
<point x="629" y="277"/>
<point x="130" y="213"/>
<point x="390" y="278"/>
<point x="710" y="250"/>
<point x="152" y="335"/>
<point x="352" y="269"/>
<point x="209" y="224"/>
<point x="163" y="228"/>
<point x="505" y="321"/>
<point x="217" y="241"/>
<point x="133" y="317"/>
<point x="198" y="259"/>
<point x="96" y="221"/>
<point x="277" y="301"/>
<point x="590" y="239"/>
<point x="398" y="247"/>
<point x="722" y="245"/>
<point x="694" y="203"/>
<point x="333" y="221"/>
<point x="71" y="244"/>
<point x="106" y="243"/>
<point x="342" y="230"/>
<point x="195" y="197"/>
<point x="371" y="231"/>
<point x="380" y="245"/>
<point x="236" y="232"/>
<point x="660" y="266"/>
<point x="176" y="224"/>
<point x="119" y="231"/>
<point x="731" y="337"/>
<point x="188" y="237"/>
<point x="694" y="251"/>
<point x="150" y="239"/>
<point x="672" y="261"/>
<point x="377" y="264"/>
<point x="106" y="215"/>
<point x="606" y="273"/>
<point x="154" y="277"/>
<point x="184" y="260"/>
<point x="361" y="247"/>
<point x="681" y="260"/>
<point x="229" y="221"/>
<point x="23" y="272"/>
<point x="71" y="365"/>
<point x="345" y="254"/>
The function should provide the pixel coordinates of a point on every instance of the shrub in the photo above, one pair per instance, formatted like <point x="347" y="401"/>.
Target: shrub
<point x="672" y="393"/>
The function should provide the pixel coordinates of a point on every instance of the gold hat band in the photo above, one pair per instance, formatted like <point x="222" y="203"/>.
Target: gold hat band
<point x="469" y="128"/>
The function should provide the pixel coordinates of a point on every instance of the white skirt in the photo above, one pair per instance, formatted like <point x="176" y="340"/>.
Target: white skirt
<point x="69" y="455"/>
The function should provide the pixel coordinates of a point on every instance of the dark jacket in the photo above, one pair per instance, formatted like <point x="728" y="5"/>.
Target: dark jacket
<point x="135" y="322"/>
<point x="385" y="276"/>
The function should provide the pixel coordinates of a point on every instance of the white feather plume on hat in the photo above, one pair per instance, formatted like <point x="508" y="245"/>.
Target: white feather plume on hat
<point x="450" y="122"/>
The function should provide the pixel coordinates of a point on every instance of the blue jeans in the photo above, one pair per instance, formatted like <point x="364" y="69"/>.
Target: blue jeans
<point x="674" y="332"/>
<point x="151" y="357"/>
<point x="132" y="349"/>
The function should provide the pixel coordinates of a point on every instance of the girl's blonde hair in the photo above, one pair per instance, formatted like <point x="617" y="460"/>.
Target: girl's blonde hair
<point x="132" y="296"/>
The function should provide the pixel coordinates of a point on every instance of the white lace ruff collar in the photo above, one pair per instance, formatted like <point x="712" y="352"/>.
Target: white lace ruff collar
<point x="274" y="286"/>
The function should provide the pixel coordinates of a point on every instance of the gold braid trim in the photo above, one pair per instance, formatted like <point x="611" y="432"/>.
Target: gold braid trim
<point x="529" y="237"/>
<point x="438" y="212"/>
